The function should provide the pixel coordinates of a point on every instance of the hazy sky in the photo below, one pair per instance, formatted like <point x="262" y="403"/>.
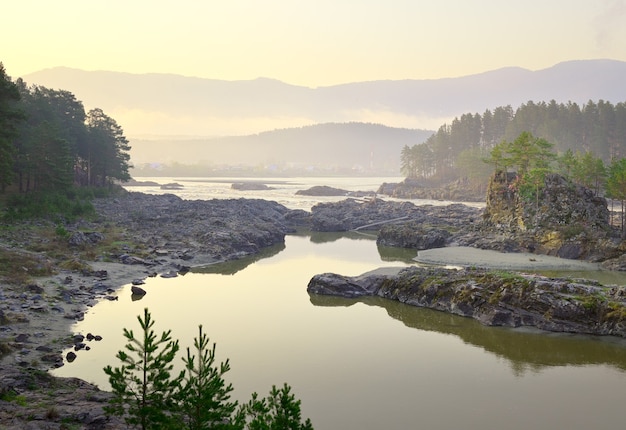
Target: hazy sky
<point x="311" y="43"/>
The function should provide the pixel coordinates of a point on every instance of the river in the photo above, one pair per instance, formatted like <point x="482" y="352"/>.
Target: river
<point x="366" y="364"/>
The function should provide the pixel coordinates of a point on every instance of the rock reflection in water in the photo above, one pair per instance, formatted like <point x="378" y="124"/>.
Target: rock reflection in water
<point x="233" y="266"/>
<point x="525" y="349"/>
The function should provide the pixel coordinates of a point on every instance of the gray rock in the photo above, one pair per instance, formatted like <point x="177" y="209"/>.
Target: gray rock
<point x="250" y="186"/>
<point x="572" y="251"/>
<point x="79" y="238"/>
<point x="527" y="300"/>
<point x="137" y="291"/>
<point x="322" y="190"/>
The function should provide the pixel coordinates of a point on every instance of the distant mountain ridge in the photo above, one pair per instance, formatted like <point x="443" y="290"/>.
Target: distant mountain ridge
<point x="173" y="105"/>
<point x="357" y="146"/>
<point x="162" y="99"/>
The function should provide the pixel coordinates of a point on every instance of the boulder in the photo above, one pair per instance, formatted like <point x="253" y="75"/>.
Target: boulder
<point x="137" y="291"/>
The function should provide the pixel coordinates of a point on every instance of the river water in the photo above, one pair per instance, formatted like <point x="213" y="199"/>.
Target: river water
<point x="365" y="364"/>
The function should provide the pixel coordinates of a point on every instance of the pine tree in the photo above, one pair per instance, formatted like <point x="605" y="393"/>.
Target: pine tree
<point x="10" y="116"/>
<point x="144" y="390"/>
<point x="205" y="396"/>
<point x="279" y="411"/>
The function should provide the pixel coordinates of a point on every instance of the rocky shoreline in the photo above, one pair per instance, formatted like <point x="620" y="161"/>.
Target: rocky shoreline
<point x="494" y="299"/>
<point x="134" y="236"/>
<point x="137" y="235"/>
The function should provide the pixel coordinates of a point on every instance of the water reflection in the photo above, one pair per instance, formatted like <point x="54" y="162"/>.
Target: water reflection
<point x="329" y="237"/>
<point x="352" y="365"/>
<point x="524" y="349"/>
<point x="389" y="253"/>
<point x="233" y="266"/>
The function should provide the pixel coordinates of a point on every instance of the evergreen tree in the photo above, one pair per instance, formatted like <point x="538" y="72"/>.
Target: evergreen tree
<point x="143" y="387"/>
<point x="597" y="127"/>
<point x="589" y="171"/>
<point x="279" y="411"/>
<point x="105" y="155"/>
<point x="205" y="396"/>
<point x="149" y="397"/>
<point x="616" y="187"/>
<point x="55" y="120"/>
<point x="52" y="162"/>
<point x="566" y="163"/>
<point x="10" y="116"/>
<point x="528" y="152"/>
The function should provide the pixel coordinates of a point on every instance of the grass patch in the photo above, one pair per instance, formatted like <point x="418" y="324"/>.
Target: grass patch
<point x="616" y="311"/>
<point x="18" y="267"/>
<point x="12" y="397"/>
<point x="75" y="265"/>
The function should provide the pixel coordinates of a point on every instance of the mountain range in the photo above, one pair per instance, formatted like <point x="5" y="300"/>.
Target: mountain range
<point x="173" y="108"/>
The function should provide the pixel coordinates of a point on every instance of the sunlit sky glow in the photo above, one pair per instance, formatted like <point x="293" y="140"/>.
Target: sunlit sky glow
<point x="310" y="43"/>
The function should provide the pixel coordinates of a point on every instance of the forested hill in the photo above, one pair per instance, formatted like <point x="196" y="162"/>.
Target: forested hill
<point x="160" y="104"/>
<point x="360" y="146"/>
<point x="594" y="132"/>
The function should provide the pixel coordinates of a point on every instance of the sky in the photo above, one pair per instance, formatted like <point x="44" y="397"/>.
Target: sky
<point x="310" y="43"/>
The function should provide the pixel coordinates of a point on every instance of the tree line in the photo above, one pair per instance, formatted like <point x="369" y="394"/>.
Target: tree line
<point x="49" y="143"/>
<point x="457" y="150"/>
<point x="532" y="158"/>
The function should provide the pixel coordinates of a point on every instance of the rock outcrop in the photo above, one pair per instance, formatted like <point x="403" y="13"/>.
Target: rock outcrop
<point x="493" y="298"/>
<point x="322" y="190"/>
<point x="220" y="228"/>
<point x="457" y="191"/>
<point x="353" y="214"/>
<point x="559" y="218"/>
<point x="250" y="186"/>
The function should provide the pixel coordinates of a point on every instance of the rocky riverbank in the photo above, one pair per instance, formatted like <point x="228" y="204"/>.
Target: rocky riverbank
<point x="53" y="273"/>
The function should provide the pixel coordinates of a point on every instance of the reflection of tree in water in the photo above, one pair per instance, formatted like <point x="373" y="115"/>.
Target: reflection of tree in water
<point x="387" y="253"/>
<point x="233" y="266"/>
<point x="525" y="349"/>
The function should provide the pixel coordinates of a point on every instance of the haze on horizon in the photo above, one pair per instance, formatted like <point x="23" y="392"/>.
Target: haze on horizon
<point x="310" y="44"/>
<point x="320" y="43"/>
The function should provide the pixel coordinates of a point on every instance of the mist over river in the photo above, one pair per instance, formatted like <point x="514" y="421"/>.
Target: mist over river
<point x="368" y="363"/>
